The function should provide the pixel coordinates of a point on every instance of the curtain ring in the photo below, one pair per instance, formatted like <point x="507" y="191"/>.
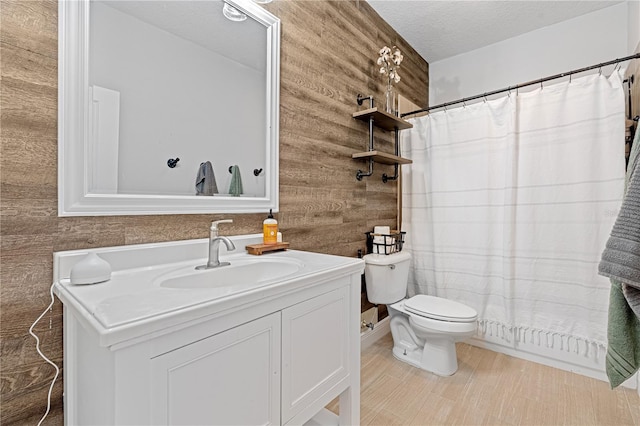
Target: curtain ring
<point x="541" y="86"/>
<point x="485" y="97"/>
<point x="600" y="71"/>
<point x="464" y="104"/>
<point x="445" y="108"/>
<point x="570" y="75"/>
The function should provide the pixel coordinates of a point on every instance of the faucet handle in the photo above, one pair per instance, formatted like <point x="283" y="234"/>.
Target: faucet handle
<point x="215" y="223"/>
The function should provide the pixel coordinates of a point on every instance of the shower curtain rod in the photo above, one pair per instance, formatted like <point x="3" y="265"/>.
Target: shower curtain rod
<point x="530" y="83"/>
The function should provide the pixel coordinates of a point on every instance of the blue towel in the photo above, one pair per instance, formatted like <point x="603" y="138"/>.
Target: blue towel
<point x="235" y="188"/>
<point x="206" y="180"/>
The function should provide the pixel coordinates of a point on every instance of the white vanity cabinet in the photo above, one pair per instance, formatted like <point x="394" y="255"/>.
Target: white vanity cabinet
<point x="234" y="378"/>
<point x="274" y="355"/>
<point x="315" y="351"/>
<point x="231" y="378"/>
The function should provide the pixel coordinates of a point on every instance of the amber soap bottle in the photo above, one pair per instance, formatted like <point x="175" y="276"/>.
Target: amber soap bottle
<point x="270" y="230"/>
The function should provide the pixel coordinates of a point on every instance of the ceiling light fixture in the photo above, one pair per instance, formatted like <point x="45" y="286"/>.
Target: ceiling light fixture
<point x="233" y="14"/>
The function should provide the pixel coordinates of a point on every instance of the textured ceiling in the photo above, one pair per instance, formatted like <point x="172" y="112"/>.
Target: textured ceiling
<point x="442" y="29"/>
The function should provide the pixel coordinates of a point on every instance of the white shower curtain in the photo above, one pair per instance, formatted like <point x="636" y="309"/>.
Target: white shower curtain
<point x="508" y="205"/>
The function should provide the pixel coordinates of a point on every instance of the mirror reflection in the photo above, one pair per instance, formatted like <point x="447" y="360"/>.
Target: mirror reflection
<point x="162" y="101"/>
<point x="178" y="97"/>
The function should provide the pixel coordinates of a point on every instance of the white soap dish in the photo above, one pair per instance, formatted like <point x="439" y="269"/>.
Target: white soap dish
<point x="91" y="269"/>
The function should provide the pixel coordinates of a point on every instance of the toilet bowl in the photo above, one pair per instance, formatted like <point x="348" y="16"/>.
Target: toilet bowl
<point x="424" y="328"/>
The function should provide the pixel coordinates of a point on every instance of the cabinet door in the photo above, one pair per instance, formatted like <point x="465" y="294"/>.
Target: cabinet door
<point x="232" y="378"/>
<point x="315" y="350"/>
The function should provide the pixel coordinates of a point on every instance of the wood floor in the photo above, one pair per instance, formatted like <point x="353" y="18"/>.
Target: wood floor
<point x="488" y="389"/>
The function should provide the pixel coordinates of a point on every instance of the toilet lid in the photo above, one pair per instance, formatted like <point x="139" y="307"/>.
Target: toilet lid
<point x="440" y="309"/>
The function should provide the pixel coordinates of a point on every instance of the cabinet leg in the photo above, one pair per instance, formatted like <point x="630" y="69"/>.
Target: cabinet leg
<point x="349" y="407"/>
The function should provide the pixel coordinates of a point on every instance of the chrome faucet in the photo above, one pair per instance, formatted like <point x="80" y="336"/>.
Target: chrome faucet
<point x="214" y="246"/>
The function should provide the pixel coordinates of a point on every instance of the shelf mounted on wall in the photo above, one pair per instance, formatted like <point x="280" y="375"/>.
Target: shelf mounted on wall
<point x="385" y="121"/>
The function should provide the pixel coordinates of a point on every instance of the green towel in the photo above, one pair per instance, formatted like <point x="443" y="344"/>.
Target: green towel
<point x="623" y="335"/>
<point x="623" y="330"/>
<point x="235" y="188"/>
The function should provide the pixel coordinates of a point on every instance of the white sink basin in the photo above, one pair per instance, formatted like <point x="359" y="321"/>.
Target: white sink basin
<point x="155" y="288"/>
<point x="240" y="274"/>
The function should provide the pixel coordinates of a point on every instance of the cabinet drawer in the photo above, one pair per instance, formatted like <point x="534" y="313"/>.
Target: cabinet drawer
<point x="315" y="349"/>
<point x="232" y="378"/>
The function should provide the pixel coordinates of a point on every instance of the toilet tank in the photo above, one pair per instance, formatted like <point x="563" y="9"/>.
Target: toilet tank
<point x="386" y="277"/>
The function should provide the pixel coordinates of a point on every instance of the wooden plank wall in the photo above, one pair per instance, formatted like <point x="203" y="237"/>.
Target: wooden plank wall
<point x="328" y="57"/>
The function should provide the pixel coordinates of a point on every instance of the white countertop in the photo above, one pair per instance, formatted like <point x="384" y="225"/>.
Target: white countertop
<point x="132" y="303"/>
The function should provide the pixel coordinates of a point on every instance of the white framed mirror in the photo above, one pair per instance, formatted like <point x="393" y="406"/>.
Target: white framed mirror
<point x="152" y="92"/>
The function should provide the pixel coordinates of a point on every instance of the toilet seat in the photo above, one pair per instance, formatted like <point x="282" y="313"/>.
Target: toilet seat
<point x="424" y="326"/>
<point x="437" y="308"/>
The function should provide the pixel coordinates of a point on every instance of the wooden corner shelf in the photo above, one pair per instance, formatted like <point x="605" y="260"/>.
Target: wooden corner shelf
<point x="382" y="119"/>
<point x="380" y="157"/>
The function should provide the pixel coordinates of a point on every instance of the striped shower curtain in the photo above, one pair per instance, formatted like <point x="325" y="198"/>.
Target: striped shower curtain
<point x="508" y="205"/>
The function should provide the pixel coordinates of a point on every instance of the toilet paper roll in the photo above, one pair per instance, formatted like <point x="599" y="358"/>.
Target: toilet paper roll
<point x="392" y="242"/>
<point x="385" y="246"/>
<point x="383" y="243"/>
<point x="378" y="239"/>
<point x="382" y="230"/>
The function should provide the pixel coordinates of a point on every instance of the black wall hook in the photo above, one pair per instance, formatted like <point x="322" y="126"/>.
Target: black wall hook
<point x="256" y="172"/>
<point x="172" y="162"/>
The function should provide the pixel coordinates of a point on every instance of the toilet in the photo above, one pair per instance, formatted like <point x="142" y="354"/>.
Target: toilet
<point x="425" y="328"/>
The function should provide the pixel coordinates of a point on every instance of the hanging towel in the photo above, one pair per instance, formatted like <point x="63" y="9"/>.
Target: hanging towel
<point x="235" y="188"/>
<point x="206" y="180"/>
<point x="621" y="257"/>
<point x="631" y="293"/>
<point x="623" y="338"/>
<point x="623" y="330"/>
